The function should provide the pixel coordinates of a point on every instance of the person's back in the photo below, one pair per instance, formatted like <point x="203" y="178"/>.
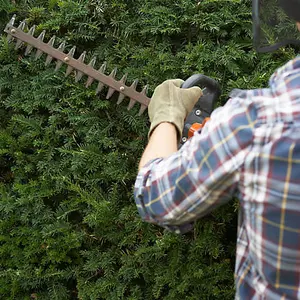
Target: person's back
<point x="268" y="250"/>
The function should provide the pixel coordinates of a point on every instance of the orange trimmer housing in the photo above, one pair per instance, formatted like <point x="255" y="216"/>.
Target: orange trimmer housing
<point x="196" y="127"/>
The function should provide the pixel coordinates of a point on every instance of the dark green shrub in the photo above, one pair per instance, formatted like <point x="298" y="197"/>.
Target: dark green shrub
<point x="69" y="228"/>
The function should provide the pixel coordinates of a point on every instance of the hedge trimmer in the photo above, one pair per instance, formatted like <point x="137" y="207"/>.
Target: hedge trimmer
<point x="201" y="111"/>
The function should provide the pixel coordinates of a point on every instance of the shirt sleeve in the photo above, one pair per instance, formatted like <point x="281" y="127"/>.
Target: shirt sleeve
<point x="175" y="191"/>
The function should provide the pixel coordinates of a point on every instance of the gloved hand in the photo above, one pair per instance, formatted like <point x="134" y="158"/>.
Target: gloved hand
<point x="172" y="104"/>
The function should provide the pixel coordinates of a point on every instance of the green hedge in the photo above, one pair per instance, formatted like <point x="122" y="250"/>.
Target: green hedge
<point x="69" y="227"/>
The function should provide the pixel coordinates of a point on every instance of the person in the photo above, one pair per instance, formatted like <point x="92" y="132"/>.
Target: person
<point x="249" y="148"/>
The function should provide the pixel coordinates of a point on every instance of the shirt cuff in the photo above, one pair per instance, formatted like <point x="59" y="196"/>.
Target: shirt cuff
<point x="143" y="178"/>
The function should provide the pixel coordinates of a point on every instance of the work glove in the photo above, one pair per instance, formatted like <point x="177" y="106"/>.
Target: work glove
<point x="172" y="104"/>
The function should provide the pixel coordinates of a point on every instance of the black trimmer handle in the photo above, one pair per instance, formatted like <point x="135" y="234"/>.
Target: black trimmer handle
<point x="205" y="105"/>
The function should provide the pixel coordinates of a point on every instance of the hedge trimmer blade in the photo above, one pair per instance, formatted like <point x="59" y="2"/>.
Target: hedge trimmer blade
<point x="78" y="65"/>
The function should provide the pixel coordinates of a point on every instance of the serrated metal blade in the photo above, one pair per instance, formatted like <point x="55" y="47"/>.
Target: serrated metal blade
<point x="79" y="74"/>
<point x="77" y="64"/>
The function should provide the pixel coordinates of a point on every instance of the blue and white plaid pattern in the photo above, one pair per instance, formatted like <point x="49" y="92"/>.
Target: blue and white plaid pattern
<point x="249" y="148"/>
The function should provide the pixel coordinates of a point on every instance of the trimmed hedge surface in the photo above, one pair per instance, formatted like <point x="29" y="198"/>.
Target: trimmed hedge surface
<point x="69" y="228"/>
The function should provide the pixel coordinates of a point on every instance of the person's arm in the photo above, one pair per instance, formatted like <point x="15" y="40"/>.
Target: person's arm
<point x="174" y="191"/>
<point x="162" y="143"/>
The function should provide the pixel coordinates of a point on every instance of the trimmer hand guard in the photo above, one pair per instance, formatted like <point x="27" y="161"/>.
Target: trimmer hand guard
<point x="205" y="105"/>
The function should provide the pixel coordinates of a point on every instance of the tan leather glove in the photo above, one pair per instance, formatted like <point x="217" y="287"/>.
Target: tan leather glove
<point x="172" y="104"/>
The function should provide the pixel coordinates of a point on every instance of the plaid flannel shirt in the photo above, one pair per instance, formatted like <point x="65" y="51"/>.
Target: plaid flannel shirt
<point x="250" y="148"/>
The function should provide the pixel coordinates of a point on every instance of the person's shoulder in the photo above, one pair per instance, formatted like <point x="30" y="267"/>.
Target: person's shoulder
<point x="239" y="110"/>
<point x="287" y="76"/>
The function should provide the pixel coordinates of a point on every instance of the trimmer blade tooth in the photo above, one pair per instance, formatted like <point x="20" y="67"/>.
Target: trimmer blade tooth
<point x="69" y="71"/>
<point x="121" y="98"/>
<point x="99" y="88"/>
<point x="11" y="23"/>
<point x="134" y="84"/>
<point x="38" y="54"/>
<point x="48" y="60"/>
<point x="22" y="25"/>
<point x="142" y="109"/>
<point x="72" y="51"/>
<point x="12" y="20"/>
<point x="19" y="43"/>
<point x="145" y="90"/>
<point x="62" y="46"/>
<point x="110" y="93"/>
<point x="103" y="68"/>
<point x="82" y="56"/>
<point x="78" y="76"/>
<point x="70" y="54"/>
<point x="100" y="84"/>
<point x="9" y="37"/>
<point x="131" y="104"/>
<point x="132" y="101"/>
<point x="42" y="35"/>
<point x="31" y="30"/>
<point x="28" y="49"/>
<point x="113" y="73"/>
<point x="58" y="65"/>
<point x="51" y="41"/>
<point x="78" y="73"/>
<point x="92" y="62"/>
<point x="89" y="81"/>
<point x="124" y="78"/>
